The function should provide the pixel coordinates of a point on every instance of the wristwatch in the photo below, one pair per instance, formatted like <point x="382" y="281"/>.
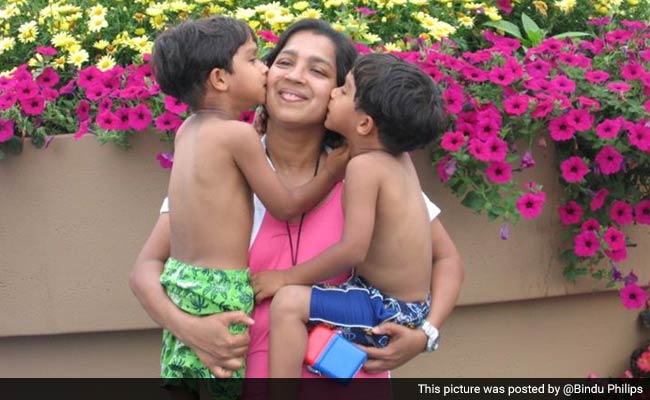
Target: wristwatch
<point x="433" y="336"/>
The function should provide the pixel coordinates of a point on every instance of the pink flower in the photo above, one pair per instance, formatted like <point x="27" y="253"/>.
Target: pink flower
<point x="7" y="101"/>
<point x="608" y="129"/>
<point x="632" y="71"/>
<point x="479" y="150"/>
<point x="48" y="78"/>
<point x="453" y="97"/>
<point x="621" y="213"/>
<point x="499" y="172"/>
<point x="96" y="91"/>
<point x="598" y="200"/>
<point x="474" y="74"/>
<point x="619" y="36"/>
<point x="83" y="110"/>
<point x="46" y="50"/>
<point x="516" y="105"/>
<point x="642" y="212"/>
<point x="581" y="120"/>
<point x="590" y="225"/>
<point x="26" y="89"/>
<point x="563" y="84"/>
<point x="538" y="69"/>
<point x="174" y="105"/>
<point x="168" y="121"/>
<point x="108" y="121"/>
<point x="643" y="362"/>
<point x="560" y="129"/>
<point x="501" y="76"/>
<point x="586" y="244"/>
<point x="617" y="255"/>
<point x="633" y="296"/>
<point x="589" y="103"/>
<point x="543" y="108"/>
<point x="88" y="77"/>
<point x="527" y="161"/>
<point x="574" y="169"/>
<point x="609" y="160"/>
<point x="446" y="168"/>
<point x="6" y="129"/>
<point x="453" y="141"/>
<point x="83" y="129"/>
<point x="618" y="87"/>
<point x="139" y="117"/>
<point x="504" y="5"/>
<point x="497" y="147"/>
<point x="33" y="106"/>
<point x="364" y="11"/>
<point x="614" y="238"/>
<point x="570" y="213"/>
<point x="530" y="204"/>
<point x="596" y="76"/>
<point x="166" y="160"/>
<point x="639" y="136"/>
<point x="122" y="115"/>
<point x="268" y="36"/>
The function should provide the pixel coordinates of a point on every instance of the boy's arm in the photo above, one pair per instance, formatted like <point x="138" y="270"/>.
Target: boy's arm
<point x="360" y="195"/>
<point x="282" y="203"/>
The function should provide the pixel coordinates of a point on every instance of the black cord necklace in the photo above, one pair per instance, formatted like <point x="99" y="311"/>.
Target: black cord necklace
<point x="294" y="256"/>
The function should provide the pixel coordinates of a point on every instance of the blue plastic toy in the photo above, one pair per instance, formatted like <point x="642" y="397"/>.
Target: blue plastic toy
<point x="331" y="354"/>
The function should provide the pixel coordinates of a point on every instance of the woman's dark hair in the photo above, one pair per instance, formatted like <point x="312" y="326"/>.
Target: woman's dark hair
<point x="184" y="55"/>
<point x="346" y="53"/>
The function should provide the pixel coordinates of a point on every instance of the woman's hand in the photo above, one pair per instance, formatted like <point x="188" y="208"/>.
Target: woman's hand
<point x="405" y="343"/>
<point x="267" y="283"/>
<point x="218" y="349"/>
<point x="336" y="162"/>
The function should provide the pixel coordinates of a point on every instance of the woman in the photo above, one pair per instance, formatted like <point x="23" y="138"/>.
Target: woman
<point x="308" y="62"/>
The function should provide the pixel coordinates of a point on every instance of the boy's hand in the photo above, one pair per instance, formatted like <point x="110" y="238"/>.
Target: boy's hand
<point x="336" y="161"/>
<point x="266" y="283"/>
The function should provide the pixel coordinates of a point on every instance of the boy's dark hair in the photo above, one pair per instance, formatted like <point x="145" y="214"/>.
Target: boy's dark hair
<point x="346" y="53"/>
<point x="404" y="102"/>
<point x="184" y="55"/>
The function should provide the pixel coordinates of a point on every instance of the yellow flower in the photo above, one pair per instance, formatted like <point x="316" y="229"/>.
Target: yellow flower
<point x="301" y="5"/>
<point x="10" y="11"/>
<point x="96" y="24"/>
<point x="466" y="21"/>
<point x="492" y="13"/>
<point x="310" y="13"/>
<point x="441" y="29"/>
<point x="472" y="6"/>
<point x="6" y="43"/>
<point x="158" y="21"/>
<point x="73" y="48"/>
<point x="541" y="7"/>
<point x="338" y="27"/>
<point x="154" y="11"/>
<point x="35" y="61"/>
<point x="59" y="63"/>
<point x="140" y="31"/>
<point x="419" y="2"/>
<point x="371" y="38"/>
<point x="8" y="73"/>
<point x="18" y="2"/>
<point x="97" y="11"/>
<point x="101" y="44"/>
<point x="245" y="14"/>
<point x="180" y="6"/>
<point x="333" y="3"/>
<point x="63" y="40"/>
<point x="106" y="62"/>
<point x="78" y="58"/>
<point x="28" y="32"/>
<point x="254" y="24"/>
<point x="388" y="47"/>
<point x="565" y="5"/>
<point x="633" y="2"/>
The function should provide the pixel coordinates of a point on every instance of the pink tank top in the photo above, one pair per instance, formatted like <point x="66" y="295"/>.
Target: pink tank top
<point x="321" y="228"/>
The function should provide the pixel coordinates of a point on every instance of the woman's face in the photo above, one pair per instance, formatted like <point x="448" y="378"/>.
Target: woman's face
<point x="301" y="79"/>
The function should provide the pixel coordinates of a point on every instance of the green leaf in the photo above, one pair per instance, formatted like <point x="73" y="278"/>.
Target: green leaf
<point x="473" y="201"/>
<point x="571" y="34"/>
<point x="507" y="27"/>
<point x="533" y="31"/>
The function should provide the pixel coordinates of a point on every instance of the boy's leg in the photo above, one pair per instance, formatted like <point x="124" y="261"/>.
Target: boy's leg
<point x="288" y="336"/>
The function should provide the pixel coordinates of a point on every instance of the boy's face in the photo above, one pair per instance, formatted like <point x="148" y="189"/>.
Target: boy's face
<point x="342" y="117"/>
<point x="248" y="78"/>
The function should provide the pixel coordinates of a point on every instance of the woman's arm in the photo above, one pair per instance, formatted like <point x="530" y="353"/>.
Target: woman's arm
<point x="446" y="278"/>
<point x="209" y="336"/>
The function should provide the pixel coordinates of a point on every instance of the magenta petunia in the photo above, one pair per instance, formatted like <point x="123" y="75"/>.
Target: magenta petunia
<point x="365" y="11"/>
<point x="487" y="128"/>
<point x="596" y="76"/>
<point x="501" y="76"/>
<point x="608" y="129"/>
<point x="618" y="87"/>
<point x="543" y="108"/>
<point x="122" y="115"/>
<point x="499" y="172"/>
<point x="139" y="117"/>
<point x="6" y="129"/>
<point x="581" y="119"/>
<point x="618" y="36"/>
<point x="498" y="148"/>
<point x="268" y="36"/>
<point x="617" y="255"/>
<point x="527" y="161"/>
<point x="97" y="91"/>
<point x="89" y="76"/>
<point x="530" y="205"/>
<point x="83" y="110"/>
<point x="574" y="169"/>
<point x="538" y="69"/>
<point x="570" y="213"/>
<point x="632" y="71"/>
<point x="7" y="101"/>
<point x="83" y="129"/>
<point x="453" y="97"/>
<point x="25" y="89"/>
<point x="108" y="121"/>
<point x="48" y="77"/>
<point x="590" y="224"/>
<point x="479" y="150"/>
<point x="609" y="160"/>
<point x="639" y="136"/>
<point x="642" y="212"/>
<point x="598" y="200"/>
<point x="633" y="296"/>
<point x="614" y="238"/>
<point x="453" y="141"/>
<point x="586" y="244"/>
<point x="504" y="5"/>
<point x="474" y="74"/>
<point x="105" y="105"/>
<point x="33" y="105"/>
<point x="166" y="160"/>
<point x="621" y="213"/>
<point x="46" y="50"/>
<point x="174" y="105"/>
<point x="446" y="168"/>
<point x="563" y="84"/>
<point x="560" y="129"/>
<point x="589" y="103"/>
<point x="168" y="121"/>
<point x="516" y="105"/>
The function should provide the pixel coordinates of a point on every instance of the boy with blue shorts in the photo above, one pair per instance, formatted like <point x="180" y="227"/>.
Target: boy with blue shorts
<point x="211" y="64"/>
<point x="386" y="108"/>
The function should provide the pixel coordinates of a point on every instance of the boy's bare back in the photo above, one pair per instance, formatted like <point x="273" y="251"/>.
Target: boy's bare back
<point x="210" y="200"/>
<point x="399" y="257"/>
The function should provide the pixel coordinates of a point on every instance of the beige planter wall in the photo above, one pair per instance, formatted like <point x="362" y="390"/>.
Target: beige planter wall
<point x="73" y="217"/>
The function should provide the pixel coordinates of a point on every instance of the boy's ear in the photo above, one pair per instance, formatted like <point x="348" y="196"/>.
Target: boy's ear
<point x="217" y="79"/>
<point x="365" y="125"/>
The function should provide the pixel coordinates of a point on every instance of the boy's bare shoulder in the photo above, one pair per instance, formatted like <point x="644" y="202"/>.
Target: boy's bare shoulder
<point x="370" y="163"/>
<point x="217" y="131"/>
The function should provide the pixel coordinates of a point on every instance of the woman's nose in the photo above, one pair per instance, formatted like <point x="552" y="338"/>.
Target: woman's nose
<point x="296" y="74"/>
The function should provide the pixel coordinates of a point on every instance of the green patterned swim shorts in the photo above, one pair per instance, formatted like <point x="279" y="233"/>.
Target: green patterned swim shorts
<point x="201" y="291"/>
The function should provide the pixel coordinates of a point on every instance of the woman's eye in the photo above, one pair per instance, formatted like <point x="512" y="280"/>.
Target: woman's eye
<point x="319" y="72"/>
